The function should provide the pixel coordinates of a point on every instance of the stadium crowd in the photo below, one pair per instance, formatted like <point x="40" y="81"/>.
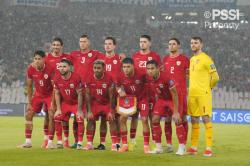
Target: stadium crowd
<point x="34" y="27"/>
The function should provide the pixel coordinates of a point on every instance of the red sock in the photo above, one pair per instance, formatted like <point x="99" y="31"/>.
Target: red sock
<point x="118" y="138"/>
<point x="75" y="126"/>
<point x="180" y="131"/>
<point x="157" y="131"/>
<point x="58" y="128"/>
<point x="146" y="136"/>
<point x="113" y="137"/>
<point x="124" y="135"/>
<point x="90" y="135"/>
<point x="185" y="125"/>
<point x="28" y="133"/>
<point x="132" y="133"/>
<point x="66" y="131"/>
<point x="168" y="132"/>
<point x="103" y="136"/>
<point x="80" y="130"/>
<point x="46" y="130"/>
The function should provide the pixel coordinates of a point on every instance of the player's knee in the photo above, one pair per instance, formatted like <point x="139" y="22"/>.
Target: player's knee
<point x="156" y="119"/>
<point x="195" y="120"/>
<point x="206" y="119"/>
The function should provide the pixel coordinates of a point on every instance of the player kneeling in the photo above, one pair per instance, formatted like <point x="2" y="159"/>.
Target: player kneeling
<point x="99" y="102"/>
<point x="132" y="98"/>
<point x="68" y="96"/>
<point x="165" y="99"/>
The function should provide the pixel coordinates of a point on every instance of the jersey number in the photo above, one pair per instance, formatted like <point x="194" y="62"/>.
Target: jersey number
<point x="99" y="91"/>
<point x="67" y="91"/>
<point x="83" y="60"/>
<point x="172" y="70"/>
<point x="41" y="83"/>
<point x="132" y="88"/>
<point x="108" y="67"/>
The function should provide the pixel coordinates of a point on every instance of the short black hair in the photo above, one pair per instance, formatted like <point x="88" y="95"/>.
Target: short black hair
<point x="99" y="62"/>
<point x="58" y="39"/>
<point x="41" y="53"/>
<point x="128" y="61"/>
<point x="84" y="36"/>
<point x="175" y="39"/>
<point x="64" y="60"/>
<point x="146" y="36"/>
<point x="197" y="38"/>
<point x="111" y="38"/>
<point x="153" y="62"/>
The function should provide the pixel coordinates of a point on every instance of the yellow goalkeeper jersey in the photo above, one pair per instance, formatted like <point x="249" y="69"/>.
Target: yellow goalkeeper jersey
<point x="201" y="66"/>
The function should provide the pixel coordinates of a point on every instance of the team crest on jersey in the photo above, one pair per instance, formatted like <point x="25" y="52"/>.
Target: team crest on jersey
<point x="161" y="85"/>
<point x="115" y="61"/>
<point x="150" y="58"/>
<point x="45" y="76"/>
<point x="104" y="85"/>
<point x="178" y="63"/>
<point x="90" y="55"/>
<point x="126" y="101"/>
<point x="197" y="61"/>
<point x="71" y="85"/>
<point x="137" y="81"/>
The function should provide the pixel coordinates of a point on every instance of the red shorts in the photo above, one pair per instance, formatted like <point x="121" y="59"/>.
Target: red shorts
<point x="40" y="102"/>
<point x="143" y="107"/>
<point x="67" y="110"/>
<point x="163" y="107"/>
<point x="100" y="110"/>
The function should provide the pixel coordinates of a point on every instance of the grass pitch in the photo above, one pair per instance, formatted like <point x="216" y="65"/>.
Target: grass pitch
<point x="232" y="148"/>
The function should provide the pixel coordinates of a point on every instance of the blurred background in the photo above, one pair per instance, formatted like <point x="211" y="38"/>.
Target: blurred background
<point x="27" y="25"/>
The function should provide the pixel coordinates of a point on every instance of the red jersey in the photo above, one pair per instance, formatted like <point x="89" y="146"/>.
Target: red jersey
<point x="140" y="60"/>
<point x="99" y="88"/>
<point x="112" y="65"/>
<point x="54" y="61"/>
<point x="132" y="85"/>
<point x="176" y="68"/>
<point x="159" y="88"/>
<point x="42" y="80"/>
<point x="83" y="62"/>
<point x="68" y="88"/>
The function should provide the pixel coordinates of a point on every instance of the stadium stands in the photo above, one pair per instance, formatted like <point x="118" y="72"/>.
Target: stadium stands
<point x="33" y="28"/>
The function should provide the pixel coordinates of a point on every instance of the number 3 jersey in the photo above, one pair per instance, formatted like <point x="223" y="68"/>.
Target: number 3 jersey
<point x="42" y="80"/>
<point x="68" y="87"/>
<point x="83" y="62"/>
<point x="177" y="68"/>
<point x="99" y="88"/>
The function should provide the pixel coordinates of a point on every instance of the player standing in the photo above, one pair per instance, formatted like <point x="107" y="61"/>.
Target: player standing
<point x="140" y="59"/>
<point x="99" y="102"/>
<point x="176" y="66"/>
<point x="83" y="60"/>
<point x="53" y="59"/>
<point x="39" y="74"/>
<point x="112" y="67"/>
<point x="203" y="77"/>
<point x="69" y="99"/>
<point x="165" y="100"/>
<point x="130" y="83"/>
